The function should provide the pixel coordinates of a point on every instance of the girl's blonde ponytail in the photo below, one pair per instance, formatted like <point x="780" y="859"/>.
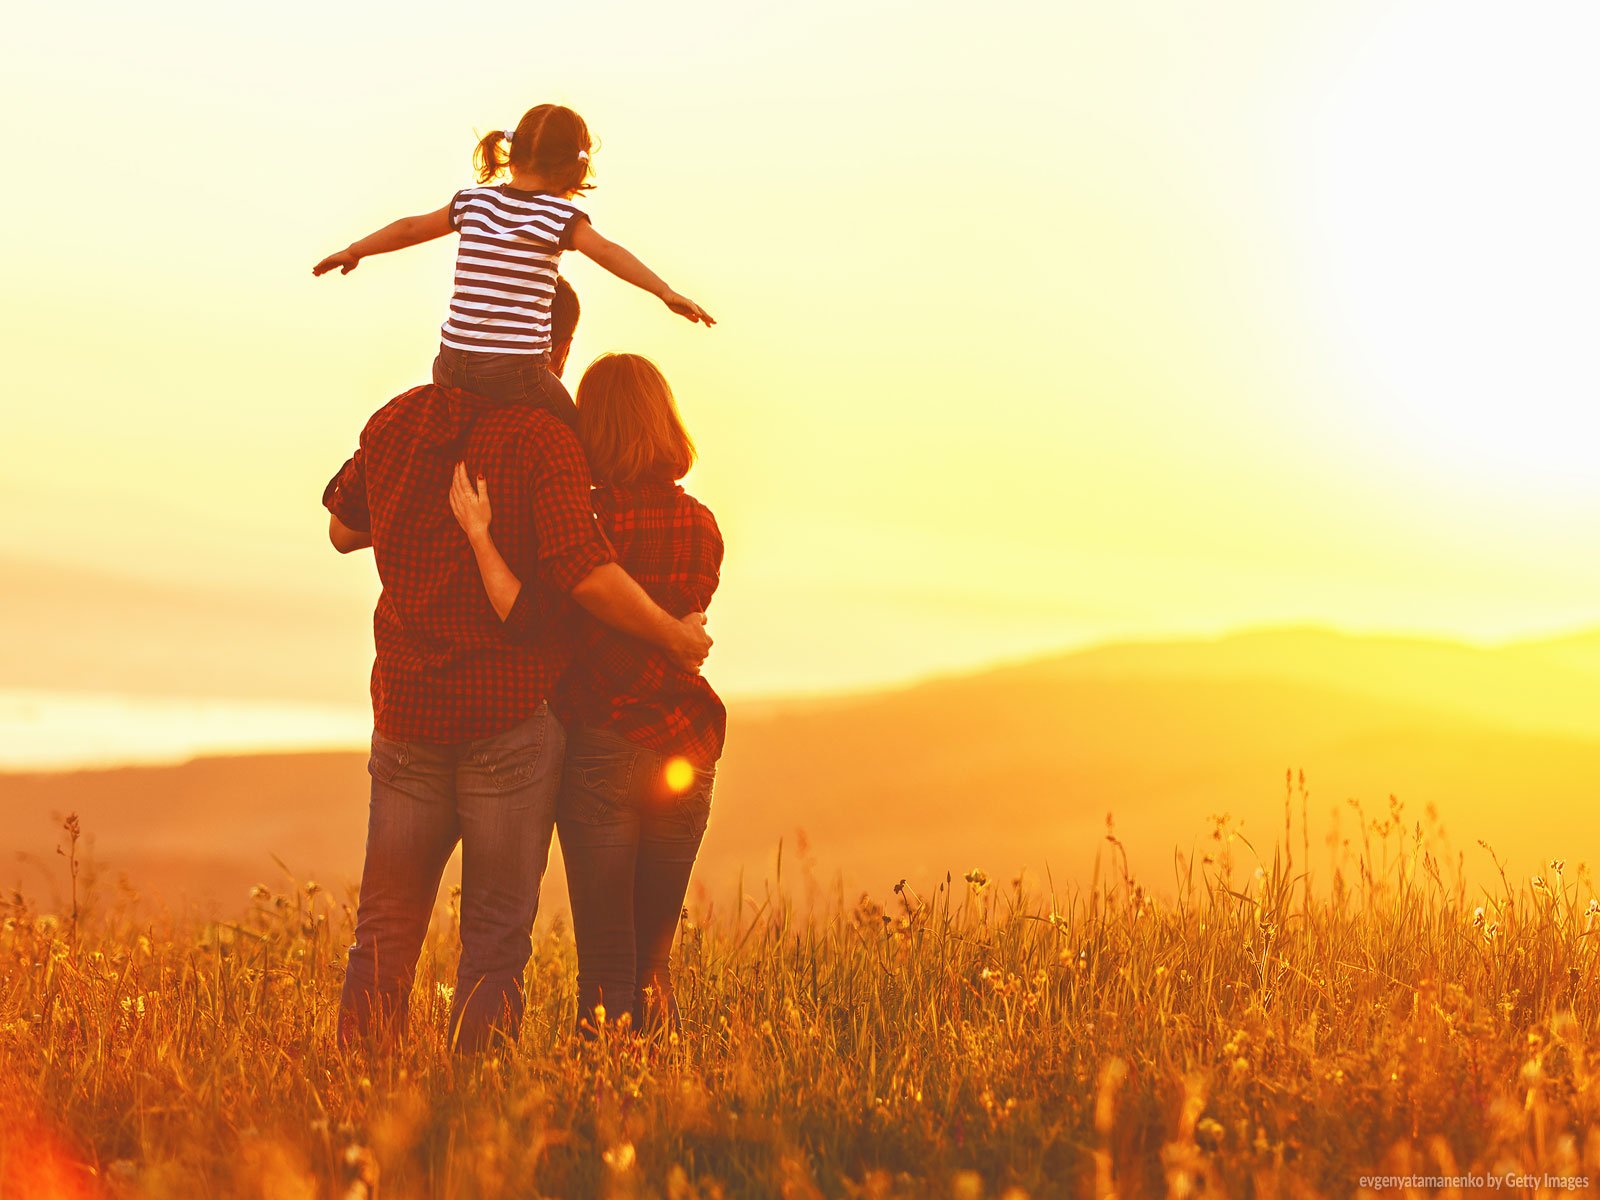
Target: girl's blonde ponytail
<point x="493" y="154"/>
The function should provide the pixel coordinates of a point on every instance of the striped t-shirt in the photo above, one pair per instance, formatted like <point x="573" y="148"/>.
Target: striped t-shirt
<point x="511" y="242"/>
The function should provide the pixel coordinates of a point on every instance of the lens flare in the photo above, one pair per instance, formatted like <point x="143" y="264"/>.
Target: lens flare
<point x="679" y="775"/>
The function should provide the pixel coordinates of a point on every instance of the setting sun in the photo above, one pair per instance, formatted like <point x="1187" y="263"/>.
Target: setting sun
<point x="1451" y="207"/>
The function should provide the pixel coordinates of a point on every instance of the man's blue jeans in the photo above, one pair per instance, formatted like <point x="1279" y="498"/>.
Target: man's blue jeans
<point x="630" y="842"/>
<point x="497" y="797"/>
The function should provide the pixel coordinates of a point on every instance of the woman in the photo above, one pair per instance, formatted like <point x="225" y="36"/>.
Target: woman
<point x="644" y="735"/>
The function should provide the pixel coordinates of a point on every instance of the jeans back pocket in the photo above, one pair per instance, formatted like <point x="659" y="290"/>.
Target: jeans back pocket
<point x="511" y="759"/>
<point x="388" y="759"/>
<point x="694" y="805"/>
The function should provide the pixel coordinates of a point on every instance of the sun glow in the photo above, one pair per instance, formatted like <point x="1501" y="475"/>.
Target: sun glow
<point x="679" y="774"/>
<point x="1455" y="211"/>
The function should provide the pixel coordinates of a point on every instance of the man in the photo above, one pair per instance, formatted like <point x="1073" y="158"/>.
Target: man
<point x="464" y="745"/>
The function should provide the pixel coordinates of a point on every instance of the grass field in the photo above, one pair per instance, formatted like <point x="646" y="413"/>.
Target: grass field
<point x="1243" y="1027"/>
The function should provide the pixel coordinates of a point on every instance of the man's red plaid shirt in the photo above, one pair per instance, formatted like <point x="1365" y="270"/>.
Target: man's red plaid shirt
<point x="670" y="543"/>
<point x="447" y="669"/>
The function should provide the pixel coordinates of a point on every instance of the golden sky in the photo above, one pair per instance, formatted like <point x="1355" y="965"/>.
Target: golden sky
<point x="1039" y="324"/>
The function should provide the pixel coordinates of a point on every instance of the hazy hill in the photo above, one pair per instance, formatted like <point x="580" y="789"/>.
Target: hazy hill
<point x="1015" y="767"/>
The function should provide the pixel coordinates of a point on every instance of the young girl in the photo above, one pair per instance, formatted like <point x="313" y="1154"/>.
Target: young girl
<point x="643" y="735"/>
<point x="496" y="339"/>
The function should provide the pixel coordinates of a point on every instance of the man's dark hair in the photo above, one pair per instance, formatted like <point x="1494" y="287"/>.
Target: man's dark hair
<point x="564" y="312"/>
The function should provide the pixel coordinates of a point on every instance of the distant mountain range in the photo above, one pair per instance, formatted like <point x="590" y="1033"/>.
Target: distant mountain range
<point x="1009" y="769"/>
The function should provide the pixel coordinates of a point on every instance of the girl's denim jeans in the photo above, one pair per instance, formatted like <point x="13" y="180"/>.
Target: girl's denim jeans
<point x="507" y="378"/>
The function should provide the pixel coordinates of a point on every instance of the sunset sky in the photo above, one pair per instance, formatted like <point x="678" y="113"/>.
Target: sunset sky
<point x="1039" y="324"/>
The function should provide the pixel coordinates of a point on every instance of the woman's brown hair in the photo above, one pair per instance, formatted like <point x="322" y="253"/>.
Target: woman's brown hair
<point x="550" y="140"/>
<point x="628" y="422"/>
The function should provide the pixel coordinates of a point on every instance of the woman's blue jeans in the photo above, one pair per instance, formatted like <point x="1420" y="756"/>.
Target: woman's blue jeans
<point x="629" y="841"/>
<point x="497" y="797"/>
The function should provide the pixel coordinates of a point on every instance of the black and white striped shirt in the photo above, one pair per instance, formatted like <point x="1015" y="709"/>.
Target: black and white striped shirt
<point x="511" y="243"/>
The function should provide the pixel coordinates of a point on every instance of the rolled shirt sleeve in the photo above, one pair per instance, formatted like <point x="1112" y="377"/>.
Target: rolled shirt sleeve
<point x="346" y="495"/>
<point x="529" y="613"/>
<point x="570" y="542"/>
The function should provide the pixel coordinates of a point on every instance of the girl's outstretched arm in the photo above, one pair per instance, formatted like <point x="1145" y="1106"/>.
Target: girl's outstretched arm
<point x="471" y="507"/>
<point x="397" y="235"/>
<point x="621" y="263"/>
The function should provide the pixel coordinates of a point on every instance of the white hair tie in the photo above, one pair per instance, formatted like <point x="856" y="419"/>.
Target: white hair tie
<point x="583" y="156"/>
<point x="506" y="133"/>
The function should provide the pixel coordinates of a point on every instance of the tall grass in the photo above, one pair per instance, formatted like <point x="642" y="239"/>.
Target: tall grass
<point x="1246" y="1029"/>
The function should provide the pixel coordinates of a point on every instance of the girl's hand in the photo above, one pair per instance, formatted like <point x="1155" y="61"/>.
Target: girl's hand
<point x="345" y="260"/>
<point x="686" y="307"/>
<point x="470" y="505"/>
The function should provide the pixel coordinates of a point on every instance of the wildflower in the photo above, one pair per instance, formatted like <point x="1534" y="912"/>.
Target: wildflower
<point x="1558" y="865"/>
<point x="620" y="1159"/>
<point x="260" y="892"/>
<point x="360" y="1162"/>
<point x="1539" y="884"/>
<point x="1477" y="917"/>
<point x="977" y="879"/>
